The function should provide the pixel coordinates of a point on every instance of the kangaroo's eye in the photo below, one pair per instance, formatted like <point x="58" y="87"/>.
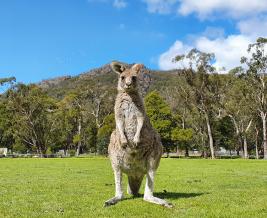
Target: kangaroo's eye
<point x="122" y="78"/>
<point x="134" y="78"/>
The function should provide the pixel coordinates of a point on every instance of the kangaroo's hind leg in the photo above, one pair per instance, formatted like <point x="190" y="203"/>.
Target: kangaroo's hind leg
<point x="153" y="163"/>
<point x="148" y="196"/>
<point x="118" y="188"/>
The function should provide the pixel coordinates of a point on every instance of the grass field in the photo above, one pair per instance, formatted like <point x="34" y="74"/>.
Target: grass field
<point x="78" y="188"/>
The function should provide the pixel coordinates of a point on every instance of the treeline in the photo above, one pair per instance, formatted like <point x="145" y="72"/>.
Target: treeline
<point x="197" y="109"/>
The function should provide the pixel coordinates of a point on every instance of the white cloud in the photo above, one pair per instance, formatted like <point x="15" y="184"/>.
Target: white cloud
<point x="206" y="8"/>
<point x="251" y="22"/>
<point x="230" y="8"/>
<point x="213" y="32"/>
<point x="254" y="27"/>
<point x="160" y="6"/>
<point x="165" y="59"/>
<point x="228" y="51"/>
<point x="120" y="4"/>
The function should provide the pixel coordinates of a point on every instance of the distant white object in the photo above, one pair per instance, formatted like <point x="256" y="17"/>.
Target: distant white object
<point x="61" y="152"/>
<point x="223" y="150"/>
<point x="3" y="151"/>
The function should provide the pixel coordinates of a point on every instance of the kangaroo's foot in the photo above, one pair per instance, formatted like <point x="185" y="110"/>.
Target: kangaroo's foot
<point x="113" y="201"/>
<point x="159" y="201"/>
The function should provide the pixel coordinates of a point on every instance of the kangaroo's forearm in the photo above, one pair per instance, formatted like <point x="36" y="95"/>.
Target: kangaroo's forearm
<point x="140" y="123"/>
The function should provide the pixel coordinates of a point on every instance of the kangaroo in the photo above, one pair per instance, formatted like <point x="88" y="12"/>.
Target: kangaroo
<point x="135" y="147"/>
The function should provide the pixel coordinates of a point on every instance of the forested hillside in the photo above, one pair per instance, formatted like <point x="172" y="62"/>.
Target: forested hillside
<point x="192" y="108"/>
<point x="105" y="77"/>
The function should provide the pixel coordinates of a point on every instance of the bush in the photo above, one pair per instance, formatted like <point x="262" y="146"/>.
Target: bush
<point x="72" y="152"/>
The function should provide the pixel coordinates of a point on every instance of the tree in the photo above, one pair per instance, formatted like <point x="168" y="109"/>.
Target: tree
<point x="66" y="125"/>
<point x="104" y="133"/>
<point x="239" y="108"/>
<point x="9" y="80"/>
<point x="224" y="133"/>
<point x="6" y="136"/>
<point x="160" y="116"/>
<point x="256" y="74"/>
<point x="182" y="136"/>
<point x="31" y="111"/>
<point x="70" y="114"/>
<point x="91" y="139"/>
<point x="205" y="87"/>
<point x="98" y="104"/>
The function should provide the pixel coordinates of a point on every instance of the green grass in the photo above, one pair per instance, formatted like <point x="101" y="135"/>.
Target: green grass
<point x="79" y="187"/>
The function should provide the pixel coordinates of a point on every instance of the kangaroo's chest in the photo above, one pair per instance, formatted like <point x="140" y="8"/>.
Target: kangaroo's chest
<point x="129" y="112"/>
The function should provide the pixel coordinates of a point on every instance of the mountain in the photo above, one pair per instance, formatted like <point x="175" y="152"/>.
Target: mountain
<point x="105" y="77"/>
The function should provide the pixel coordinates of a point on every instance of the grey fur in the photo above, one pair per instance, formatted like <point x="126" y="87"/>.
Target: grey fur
<point x="135" y="147"/>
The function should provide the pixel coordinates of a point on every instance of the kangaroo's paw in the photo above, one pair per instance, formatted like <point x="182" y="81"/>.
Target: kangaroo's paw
<point x="124" y="141"/>
<point x="136" y="139"/>
<point x="159" y="201"/>
<point x="112" y="201"/>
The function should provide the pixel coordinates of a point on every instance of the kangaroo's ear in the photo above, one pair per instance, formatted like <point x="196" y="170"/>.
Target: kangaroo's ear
<point x="117" y="67"/>
<point x="137" y="67"/>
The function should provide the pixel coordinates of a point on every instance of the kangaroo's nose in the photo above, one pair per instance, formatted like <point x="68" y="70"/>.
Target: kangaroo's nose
<point x="128" y="83"/>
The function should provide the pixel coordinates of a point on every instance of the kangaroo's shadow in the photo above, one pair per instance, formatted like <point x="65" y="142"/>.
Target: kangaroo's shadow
<point x="177" y="195"/>
<point x="169" y="195"/>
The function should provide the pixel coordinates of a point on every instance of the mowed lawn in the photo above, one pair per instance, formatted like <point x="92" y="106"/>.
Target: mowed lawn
<point x="78" y="187"/>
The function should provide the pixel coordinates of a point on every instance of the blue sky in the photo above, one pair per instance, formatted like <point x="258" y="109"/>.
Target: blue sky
<point x="41" y="39"/>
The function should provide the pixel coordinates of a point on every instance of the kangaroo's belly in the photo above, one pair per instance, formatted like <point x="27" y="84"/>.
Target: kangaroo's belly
<point x="134" y="162"/>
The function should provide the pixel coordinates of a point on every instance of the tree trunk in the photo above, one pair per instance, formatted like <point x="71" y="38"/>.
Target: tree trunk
<point x="256" y="143"/>
<point x="205" y="155"/>
<point x="245" y="146"/>
<point x="186" y="152"/>
<point x="263" y="117"/>
<point x="80" y="141"/>
<point x="257" y="151"/>
<point x="204" y="152"/>
<point x="210" y="137"/>
<point x="177" y="150"/>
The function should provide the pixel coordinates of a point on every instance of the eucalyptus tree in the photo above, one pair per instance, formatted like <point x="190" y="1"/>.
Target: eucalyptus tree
<point x="70" y="118"/>
<point x="6" y="137"/>
<point x="256" y="136"/>
<point x="180" y="100"/>
<point x="66" y="119"/>
<point x="205" y="86"/>
<point x="99" y="103"/>
<point x="256" y="73"/>
<point x="31" y="109"/>
<point x="239" y="106"/>
<point x="9" y="80"/>
<point x="81" y="113"/>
